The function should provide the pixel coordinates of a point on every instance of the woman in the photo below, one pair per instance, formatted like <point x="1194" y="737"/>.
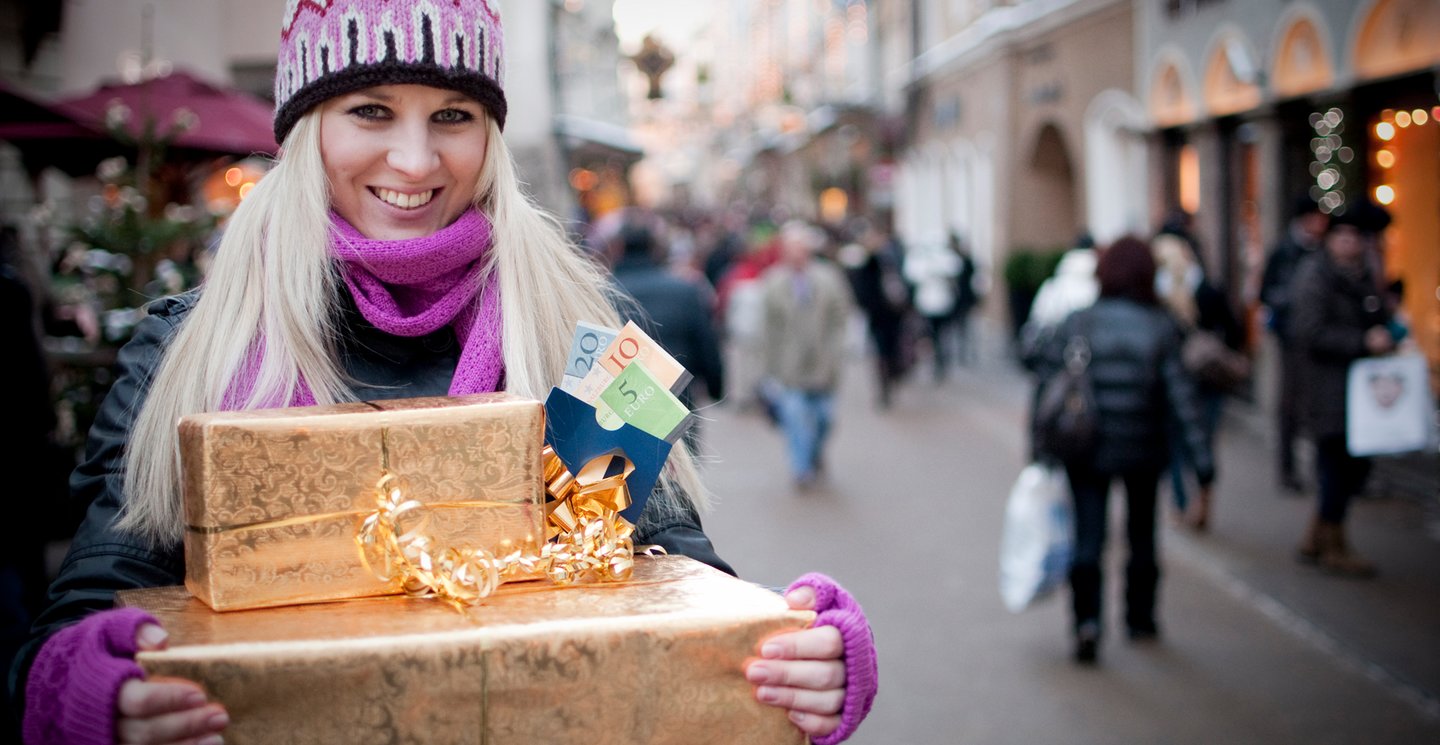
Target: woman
<point x="389" y="254"/>
<point x="1198" y="306"/>
<point x="1134" y="367"/>
<point x="1337" y="316"/>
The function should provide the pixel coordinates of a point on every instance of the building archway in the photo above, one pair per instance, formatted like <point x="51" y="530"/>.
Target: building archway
<point x="1170" y="101"/>
<point x="1303" y="59"/>
<point x="1231" y="75"/>
<point x="1045" y="202"/>
<point x="1395" y="36"/>
<point x="1115" y="166"/>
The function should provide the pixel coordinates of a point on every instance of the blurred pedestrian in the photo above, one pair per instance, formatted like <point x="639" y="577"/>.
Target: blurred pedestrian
<point x="933" y="270"/>
<point x="29" y="425"/>
<point x="1337" y="316"/>
<point x="1071" y="288"/>
<point x="1200" y="308"/>
<point x="881" y="292"/>
<point x="678" y="309"/>
<point x="740" y="306"/>
<point x="1305" y="236"/>
<point x="807" y="307"/>
<point x="966" y="298"/>
<point x="1139" y="383"/>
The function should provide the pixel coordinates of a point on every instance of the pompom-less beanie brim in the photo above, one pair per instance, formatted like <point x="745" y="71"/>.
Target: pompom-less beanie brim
<point x="360" y="77"/>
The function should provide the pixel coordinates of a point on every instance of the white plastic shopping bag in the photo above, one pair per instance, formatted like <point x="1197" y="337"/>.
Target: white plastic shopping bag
<point x="1039" y="536"/>
<point x="1388" y="406"/>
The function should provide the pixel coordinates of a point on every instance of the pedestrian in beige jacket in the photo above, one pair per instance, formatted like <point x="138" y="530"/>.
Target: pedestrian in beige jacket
<point x="807" y="308"/>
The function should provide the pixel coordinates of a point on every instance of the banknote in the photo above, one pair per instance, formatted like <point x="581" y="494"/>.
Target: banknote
<point x="638" y="398"/>
<point x="632" y="344"/>
<point x="589" y="341"/>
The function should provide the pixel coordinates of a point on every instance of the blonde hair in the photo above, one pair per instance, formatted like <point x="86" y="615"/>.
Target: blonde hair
<point x="274" y="284"/>
<point x="1175" y="277"/>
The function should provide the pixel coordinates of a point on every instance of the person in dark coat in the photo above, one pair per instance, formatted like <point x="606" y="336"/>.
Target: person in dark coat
<point x="1303" y="239"/>
<point x="1139" y="384"/>
<point x="880" y="291"/>
<point x="678" y="311"/>
<point x="1337" y="316"/>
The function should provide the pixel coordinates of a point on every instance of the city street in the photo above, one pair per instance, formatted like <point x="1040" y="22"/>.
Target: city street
<point x="1255" y="648"/>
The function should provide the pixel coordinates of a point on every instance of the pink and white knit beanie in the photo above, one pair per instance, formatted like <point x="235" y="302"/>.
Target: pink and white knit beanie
<point x="332" y="47"/>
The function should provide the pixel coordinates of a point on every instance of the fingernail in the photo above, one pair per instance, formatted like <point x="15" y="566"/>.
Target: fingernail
<point x="768" y="695"/>
<point x="152" y="635"/>
<point x="194" y="699"/>
<point x="218" y="720"/>
<point x="772" y="650"/>
<point x="798" y="717"/>
<point x="757" y="673"/>
<point x="213" y="740"/>
<point x="803" y="595"/>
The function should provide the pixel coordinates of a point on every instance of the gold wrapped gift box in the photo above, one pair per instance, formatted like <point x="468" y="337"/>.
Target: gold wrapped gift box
<point x="656" y="660"/>
<point x="274" y="498"/>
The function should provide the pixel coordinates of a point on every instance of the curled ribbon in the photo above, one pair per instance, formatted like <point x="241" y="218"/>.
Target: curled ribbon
<point x="588" y="539"/>
<point x="409" y="559"/>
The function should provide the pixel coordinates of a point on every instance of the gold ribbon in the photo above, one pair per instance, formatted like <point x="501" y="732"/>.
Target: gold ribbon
<point x="588" y="540"/>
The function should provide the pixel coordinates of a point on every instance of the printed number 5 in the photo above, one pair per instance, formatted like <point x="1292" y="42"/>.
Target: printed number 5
<point x="626" y="392"/>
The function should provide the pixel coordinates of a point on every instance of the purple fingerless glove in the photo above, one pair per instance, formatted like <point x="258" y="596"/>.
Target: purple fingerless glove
<point x="70" y="696"/>
<point x="835" y="607"/>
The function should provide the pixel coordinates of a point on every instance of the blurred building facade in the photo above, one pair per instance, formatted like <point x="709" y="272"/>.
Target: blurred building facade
<point x="773" y="105"/>
<point x="1254" y="103"/>
<point x="1022" y="130"/>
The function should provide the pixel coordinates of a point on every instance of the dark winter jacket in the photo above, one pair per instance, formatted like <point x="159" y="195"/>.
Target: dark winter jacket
<point x="679" y="313"/>
<point x="102" y="560"/>
<point x="1139" y="383"/>
<point x="1277" y="284"/>
<point x="1329" y="314"/>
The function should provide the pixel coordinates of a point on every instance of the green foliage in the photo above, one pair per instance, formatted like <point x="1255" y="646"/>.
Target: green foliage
<point x="1027" y="267"/>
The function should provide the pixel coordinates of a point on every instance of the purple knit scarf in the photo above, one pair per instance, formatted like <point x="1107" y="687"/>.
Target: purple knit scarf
<point x="414" y="287"/>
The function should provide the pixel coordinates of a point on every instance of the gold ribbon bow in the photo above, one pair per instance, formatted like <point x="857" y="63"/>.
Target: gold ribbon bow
<point x="588" y="539"/>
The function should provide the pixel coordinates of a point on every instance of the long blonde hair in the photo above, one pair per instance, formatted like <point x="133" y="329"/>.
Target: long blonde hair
<point x="274" y="280"/>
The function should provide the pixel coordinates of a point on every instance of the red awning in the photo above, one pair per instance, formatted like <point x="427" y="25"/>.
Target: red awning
<point x="227" y="121"/>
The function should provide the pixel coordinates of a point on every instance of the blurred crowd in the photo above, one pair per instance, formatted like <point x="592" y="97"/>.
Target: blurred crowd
<point x="1163" y="348"/>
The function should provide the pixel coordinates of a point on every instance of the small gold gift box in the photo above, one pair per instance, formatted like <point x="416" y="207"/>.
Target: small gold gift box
<point x="656" y="660"/>
<point x="274" y="499"/>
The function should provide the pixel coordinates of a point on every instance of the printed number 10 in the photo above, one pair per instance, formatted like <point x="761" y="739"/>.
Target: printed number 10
<point x="625" y="353"/>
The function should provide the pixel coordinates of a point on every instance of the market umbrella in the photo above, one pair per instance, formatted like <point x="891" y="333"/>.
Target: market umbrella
<point x="46" y="137"/>
<point x="225" y="120"/>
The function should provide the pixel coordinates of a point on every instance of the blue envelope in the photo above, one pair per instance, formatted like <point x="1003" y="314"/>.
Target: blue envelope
<point x="571" y="429"/>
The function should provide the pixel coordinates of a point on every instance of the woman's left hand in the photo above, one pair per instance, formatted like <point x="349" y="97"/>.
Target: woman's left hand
<point x="802" y="671"/>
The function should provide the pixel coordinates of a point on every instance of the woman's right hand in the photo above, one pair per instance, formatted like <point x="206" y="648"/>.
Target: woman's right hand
<point x="160" y="711"/>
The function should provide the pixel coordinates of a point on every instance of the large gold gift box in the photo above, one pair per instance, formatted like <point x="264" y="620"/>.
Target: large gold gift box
<point x="655" y="660"/>
<point x="274" y="498"/>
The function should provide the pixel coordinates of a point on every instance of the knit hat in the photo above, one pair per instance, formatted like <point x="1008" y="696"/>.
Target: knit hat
<point x="330" y="48"/>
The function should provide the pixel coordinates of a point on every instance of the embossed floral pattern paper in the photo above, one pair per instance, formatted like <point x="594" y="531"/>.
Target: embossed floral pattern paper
<point x="274" y="498"/>
<point x="656" y="660"/>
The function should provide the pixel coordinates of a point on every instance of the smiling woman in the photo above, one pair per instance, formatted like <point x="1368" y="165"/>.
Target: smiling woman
<point x="390" y="253"/>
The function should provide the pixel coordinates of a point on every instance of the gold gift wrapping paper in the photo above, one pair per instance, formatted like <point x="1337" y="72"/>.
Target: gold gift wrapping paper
<point x="656" y="660"/>
<point x="274" y="498"/>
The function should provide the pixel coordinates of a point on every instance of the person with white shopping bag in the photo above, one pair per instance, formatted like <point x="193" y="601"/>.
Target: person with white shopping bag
<point x="1122" y="356"/>
<point x="1338" y="316"/>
